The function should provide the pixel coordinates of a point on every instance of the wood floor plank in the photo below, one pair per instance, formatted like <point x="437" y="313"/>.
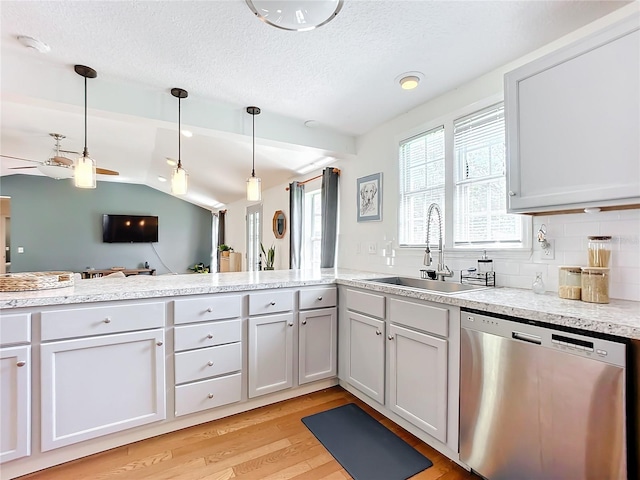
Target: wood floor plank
<point x="267" y="443"/>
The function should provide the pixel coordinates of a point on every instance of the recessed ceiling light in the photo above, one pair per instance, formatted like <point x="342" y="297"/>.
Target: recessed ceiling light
<point x="34" y="43"/>
<point x="311" y="123"/>
<point x="171" y="162"/>
<point x="409" y="80"/>
<point x="161" y="178"/>
<point x="187" y="133"/>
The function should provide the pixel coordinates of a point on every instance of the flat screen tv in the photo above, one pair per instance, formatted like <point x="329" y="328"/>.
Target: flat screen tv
<point x="129" y="228"/>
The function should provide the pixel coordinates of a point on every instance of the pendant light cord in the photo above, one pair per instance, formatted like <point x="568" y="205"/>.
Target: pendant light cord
<point x="179" y="139"/>
<point x="85" y="152"/>
<point x="253" y="161"/>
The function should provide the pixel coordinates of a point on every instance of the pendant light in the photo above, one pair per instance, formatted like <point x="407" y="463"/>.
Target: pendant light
<point x="254" y="187"/>
<point x="84" y="172"/>
<point x="295" y="15"/>
<point x="179" y="174"/>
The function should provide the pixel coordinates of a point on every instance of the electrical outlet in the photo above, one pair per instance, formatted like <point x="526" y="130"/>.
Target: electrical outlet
<point x="358" y="248"/>
<point x="542" y="254"/>
<point x="549" y="253"/>
<point x="372" y="248"/>
<point x="20" y="249"/>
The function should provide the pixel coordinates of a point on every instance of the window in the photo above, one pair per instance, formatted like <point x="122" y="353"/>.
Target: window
<point x="254" y="237"/>
<point x="312" y="234"/>
<point x="422" y="182"/>
<point x="480" y="190"/>
<point x="461" y="162"/>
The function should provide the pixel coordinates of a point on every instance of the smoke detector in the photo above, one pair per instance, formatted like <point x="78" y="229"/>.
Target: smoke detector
<point x="34" y="43"/>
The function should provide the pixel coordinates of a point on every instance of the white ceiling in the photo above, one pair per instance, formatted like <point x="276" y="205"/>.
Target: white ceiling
<point x="342" y="76"/>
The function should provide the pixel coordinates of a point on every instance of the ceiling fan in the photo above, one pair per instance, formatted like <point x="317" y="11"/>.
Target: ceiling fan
<point x="57" y="166"/>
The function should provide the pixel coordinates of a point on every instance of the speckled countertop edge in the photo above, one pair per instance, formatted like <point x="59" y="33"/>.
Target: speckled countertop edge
<point x="620" y="317"/>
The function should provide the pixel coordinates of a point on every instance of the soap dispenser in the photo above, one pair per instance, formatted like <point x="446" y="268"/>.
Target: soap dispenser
<point x="485" y="264"/>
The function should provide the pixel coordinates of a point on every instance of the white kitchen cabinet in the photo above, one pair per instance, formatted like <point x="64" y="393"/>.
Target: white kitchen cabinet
<point x="317" y="344"/>
<point x="94" y="386"/>
<point x="366" y="354"/>
<point x="270" y="353"/>
<point x="418" y="379"/>
<point x="572" y="123"/>
<point x="15" y="402"/>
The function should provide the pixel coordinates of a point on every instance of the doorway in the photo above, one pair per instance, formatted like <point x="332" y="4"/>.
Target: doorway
<point x="5" y="234"/>
<point x="254" y="237"/>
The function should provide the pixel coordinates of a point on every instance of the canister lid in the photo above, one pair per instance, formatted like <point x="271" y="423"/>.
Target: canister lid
<point x="600" y="237"/>
<point x="571" y="269"/>
<point x="595" y="270"/>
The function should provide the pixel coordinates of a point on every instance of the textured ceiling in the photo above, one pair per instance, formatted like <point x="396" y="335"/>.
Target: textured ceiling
<point x="341" y="75"/>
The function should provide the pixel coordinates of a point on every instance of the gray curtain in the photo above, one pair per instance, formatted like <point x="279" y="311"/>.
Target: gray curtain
<point x="329" y="198"/>
<point x="296" y="208"/>
<point x="221" y="228"/>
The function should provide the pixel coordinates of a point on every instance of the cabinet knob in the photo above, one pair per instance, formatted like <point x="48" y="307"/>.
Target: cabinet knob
<point x="272" y="303"/>
<point x="390" y="337"/>
<point x="291" y="324"/>
<point x="107" y="320"/>
<point x="512" y="193"/>
<point x="159" y="344"/>
<point x="210" y="395"/>
<point x="21" y="363"/>
<point x="378" y="332"/>
<point x="209" y="309"/>
<point x="319" y="299"/>
<point x="210" y="363"/>
<point x="304" y="322"/>
<point x="209" y="336"/>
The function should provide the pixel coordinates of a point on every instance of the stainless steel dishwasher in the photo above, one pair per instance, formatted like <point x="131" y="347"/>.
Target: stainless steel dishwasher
<point x="540" y="403"/>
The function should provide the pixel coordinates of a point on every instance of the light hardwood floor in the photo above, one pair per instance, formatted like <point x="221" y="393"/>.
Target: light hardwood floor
<point x="264" y="444"/>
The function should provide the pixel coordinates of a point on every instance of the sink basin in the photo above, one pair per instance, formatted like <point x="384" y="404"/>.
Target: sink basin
<point x="447" y="288"/>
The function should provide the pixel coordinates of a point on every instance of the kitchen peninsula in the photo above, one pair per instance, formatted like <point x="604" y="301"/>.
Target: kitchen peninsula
<point x="180" y="350"/>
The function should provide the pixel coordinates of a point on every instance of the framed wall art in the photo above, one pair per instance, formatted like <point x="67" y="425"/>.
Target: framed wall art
<point x="370" y="198"/>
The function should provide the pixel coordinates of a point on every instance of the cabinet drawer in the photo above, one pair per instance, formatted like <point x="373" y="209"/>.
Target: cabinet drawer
<point x="420" y="316"/>
<point x="199" y="396"/>
<point x="15" y="328"/>
<point x="369" y="303"/>
<point x="213" y="307"/>
<point x="270" y="302"/>
<point x="83" y="322"/>
<point x="209" y="334"/>
<point x="317" y="297"/>
<point x="208" y="362"/>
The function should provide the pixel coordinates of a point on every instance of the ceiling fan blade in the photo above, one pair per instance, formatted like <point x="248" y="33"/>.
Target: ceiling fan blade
<point x="62" y="160"/>
<point x="104" y="171"/>
<point x="18" y="158"/>
<point x="19" y="168"/>
<point x="69" y="151"/>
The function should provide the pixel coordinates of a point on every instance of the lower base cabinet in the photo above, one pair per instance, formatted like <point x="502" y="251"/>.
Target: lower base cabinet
<point x="15" y="402"/>
<point x="317" y="345"/>
<point x="418" y="379"/>
<point x="366" y="355"/>
<point x="98" y="385"/>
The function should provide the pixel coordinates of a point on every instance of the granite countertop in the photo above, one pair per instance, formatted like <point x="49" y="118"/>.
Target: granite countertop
<point x="620" y="317"/>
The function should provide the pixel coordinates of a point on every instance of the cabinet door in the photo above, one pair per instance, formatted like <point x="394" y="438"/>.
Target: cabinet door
<point x="418" y="379"/>
<point x="317" y="345"/>
<point x="15" y="403"/>
<point x="270" y="354"/>
<point x="572" y="125"/>
<point x="99" y="385"/>
<point x="366" y="355"/>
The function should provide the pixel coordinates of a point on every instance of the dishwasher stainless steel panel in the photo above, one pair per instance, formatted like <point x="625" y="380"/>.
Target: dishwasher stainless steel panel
<point x="538" y="403"/>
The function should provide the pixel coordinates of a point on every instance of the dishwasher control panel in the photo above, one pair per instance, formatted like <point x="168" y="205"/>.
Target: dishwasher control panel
<point x="547" y="337"/>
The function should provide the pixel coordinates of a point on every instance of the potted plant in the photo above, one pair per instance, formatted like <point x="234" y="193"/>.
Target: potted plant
<point x="225" y="250"/>
<point x="269" y="256"/>
<point x="199" y="268"/>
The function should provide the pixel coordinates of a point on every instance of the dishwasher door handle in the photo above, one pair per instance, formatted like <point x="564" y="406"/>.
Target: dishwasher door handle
<point x="525" y="337"/>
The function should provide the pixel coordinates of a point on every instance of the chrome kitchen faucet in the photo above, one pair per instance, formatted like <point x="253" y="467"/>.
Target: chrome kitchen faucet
<point x="442" y="270"/>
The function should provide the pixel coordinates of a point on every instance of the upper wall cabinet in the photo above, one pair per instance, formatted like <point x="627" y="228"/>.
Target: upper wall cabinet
<point x="573" y="125"/>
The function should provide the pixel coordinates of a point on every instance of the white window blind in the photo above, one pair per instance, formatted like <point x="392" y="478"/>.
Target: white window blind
<point x="480" y="216"/>
<point x="422" y="182"/>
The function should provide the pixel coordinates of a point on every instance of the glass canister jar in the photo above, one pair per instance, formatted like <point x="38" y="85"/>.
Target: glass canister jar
<point x="570" y="283"/>
<point x="595" y="284"/>
<point x="599" y="248"/>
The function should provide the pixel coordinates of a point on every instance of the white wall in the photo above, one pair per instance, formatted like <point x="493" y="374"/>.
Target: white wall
<point x="377" y="151"/>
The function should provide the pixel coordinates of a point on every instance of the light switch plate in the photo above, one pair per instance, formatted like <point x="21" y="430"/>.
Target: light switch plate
<point x="20" y="249"/>
<point x="372" y="248"/>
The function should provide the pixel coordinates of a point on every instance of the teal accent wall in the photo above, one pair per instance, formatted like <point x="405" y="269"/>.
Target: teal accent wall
<point x="60" y="226"/>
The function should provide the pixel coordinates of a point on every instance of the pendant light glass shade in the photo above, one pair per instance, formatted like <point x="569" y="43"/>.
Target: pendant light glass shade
<point x="295" y="15"/>
<point x="179" y="174"/>
<point x="254" y="184"/>
<point x="84" y="170"/>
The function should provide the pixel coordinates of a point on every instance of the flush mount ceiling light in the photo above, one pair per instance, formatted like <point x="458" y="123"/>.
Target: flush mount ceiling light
<point x="179" y="174"/>
<point x="34" y="44"/>
<point x="254" y="187"/>
<point x="295" y="15"/>
<point x="409" y="80"/>
<point x="84" y="172"/>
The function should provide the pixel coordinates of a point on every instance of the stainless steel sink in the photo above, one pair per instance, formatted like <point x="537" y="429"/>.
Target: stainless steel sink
<point x="447" y="288"/>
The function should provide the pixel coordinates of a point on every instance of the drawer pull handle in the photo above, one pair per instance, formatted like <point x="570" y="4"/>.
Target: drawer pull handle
<point x="159" y="344"/>
<point x="378" y="332"/>
<point x="209" y="309"/>
<point x="319" y="299"/>
<point x="272" y="303"/>
<point x="210" y="395"/>
<point x="512" y="193"/>
<point x="209" y="336"/>
<point x="304" y="322"/>
<point x="21" y="363"/>
<point x="210" y="363"/>
<point x="107" y="320"/>
<point x="390" y="337"/>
